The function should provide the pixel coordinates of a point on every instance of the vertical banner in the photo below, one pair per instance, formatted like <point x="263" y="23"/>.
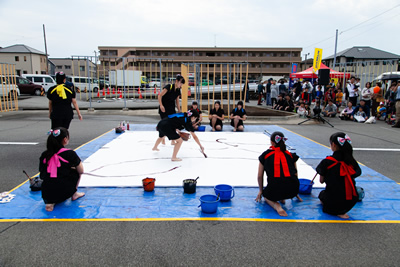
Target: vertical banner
<point x="317" y="59"/>
<point x="294" y="67"/>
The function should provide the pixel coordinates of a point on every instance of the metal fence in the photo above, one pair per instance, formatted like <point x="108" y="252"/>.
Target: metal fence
<point x="9" y="90"/>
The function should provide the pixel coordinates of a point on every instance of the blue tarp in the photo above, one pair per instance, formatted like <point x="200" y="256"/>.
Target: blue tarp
<point x="381" y="202"/>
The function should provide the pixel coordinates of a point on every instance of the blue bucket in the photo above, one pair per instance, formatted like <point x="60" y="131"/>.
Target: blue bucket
<point x="225" y="191"/>
<point x="201" y="128"/>
<point x="209" y="203"/>
<point x="305" y="186"/>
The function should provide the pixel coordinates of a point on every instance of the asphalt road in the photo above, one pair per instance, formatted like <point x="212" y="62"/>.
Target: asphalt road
<point x="194" y="243"/>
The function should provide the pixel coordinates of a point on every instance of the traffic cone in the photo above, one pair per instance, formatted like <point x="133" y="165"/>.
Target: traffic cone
<point x="108" y="90"/>
<point x="140" y="94"/>
<point x="155" y="89"/>
<point x="104" y="92"/>
<point x="113" y="91"/>
<point x="98" y="93"/>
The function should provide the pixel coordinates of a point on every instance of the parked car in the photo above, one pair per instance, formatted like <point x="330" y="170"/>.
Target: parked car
<point x="27" y="87"/>
<point x="155" y="82"/>
<point x="83" y="83"/>
<point x="8" y="87"/>
<point x="46" y="81"/>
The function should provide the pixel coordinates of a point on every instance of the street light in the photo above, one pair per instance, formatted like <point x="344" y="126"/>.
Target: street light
<point x="305" y="62"/>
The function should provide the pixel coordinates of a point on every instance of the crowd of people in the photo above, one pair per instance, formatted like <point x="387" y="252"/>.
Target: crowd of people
<point x="353" y="102"/>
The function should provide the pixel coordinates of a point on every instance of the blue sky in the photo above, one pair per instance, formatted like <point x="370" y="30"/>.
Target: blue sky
<point x="79" y="27"/>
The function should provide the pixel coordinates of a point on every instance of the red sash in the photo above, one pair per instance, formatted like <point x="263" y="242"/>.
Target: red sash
<point x="346" y="171"/>
<point x="278" y="159"/>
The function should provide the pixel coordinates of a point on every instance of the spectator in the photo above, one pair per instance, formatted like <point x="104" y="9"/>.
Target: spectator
<point x="297" y="90"/>
<point x="318" y="93"/>
<point x="347" y="112"/>
<point x="260" y="91"/>
<point x="216" y="117"/>
<point x="377" y="97"/>
<point x="329" y="94"/>
<point x="366" y="93"/>
<point x="268" y="94"/>
<point x="288" y="104"/>
<point x="352" y="88"/>
<point x="397" y="98"/>
<point x="274" y="93"/>
<point x="279" y="104"/>
<point x="306" y="96"/>
<point x="360" y="115"/>
<point x="196" y="108"/>
<point x="339" y="97"/>
<point x="366" y="109"/>
<point x="282" y="88"/>
<point x="330" y="109"/>
<point x="238" y="115"/>
<point x="302" y="110"/>
<point x="381" y="111"/>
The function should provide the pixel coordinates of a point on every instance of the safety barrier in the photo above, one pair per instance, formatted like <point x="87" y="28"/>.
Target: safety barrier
<point x="9" y="91"/>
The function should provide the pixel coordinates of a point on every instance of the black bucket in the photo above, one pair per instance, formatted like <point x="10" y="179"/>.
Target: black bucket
<point x="189" y="186"/>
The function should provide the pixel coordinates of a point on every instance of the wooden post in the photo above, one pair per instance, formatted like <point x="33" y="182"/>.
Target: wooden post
<point x="201" y="84"/>
<point x="208" y="87"/>
<point x="245" y="91"/>
<point x="213" y="89"/>
<point x="227" y="88"/>
<point x="240" y="85"/>
<point x="234" y="86"/>
<point x="2" y="86"/>
<point x="222" y="94"/>
<point x="184" y="92"/>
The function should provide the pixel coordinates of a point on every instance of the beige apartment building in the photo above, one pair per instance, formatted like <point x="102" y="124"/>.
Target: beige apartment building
<point x="262" y="61"/>
<point x="75" y="66"/>
<point x="26" y="59"/>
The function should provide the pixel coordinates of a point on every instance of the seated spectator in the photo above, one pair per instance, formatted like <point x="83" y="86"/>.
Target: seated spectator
<point x="339" y="97"/>
<point x="391" y="114"/>
<point x="330" y="109"/>
<point x="195" y="107"/>
<point x="238" y="115"/>
<point x="288" y="104"/>
<point x="366" y="109"/>
<point x="381" y="111"/>
<point x="279" y="104"/>
<point x="302" y="110"/>
<point x="308" y="110"/>
<point x="216" y="117"/>
<point x="305" y="96"/>
<point x="360" y="115"/>
<point x="346" y="113"/>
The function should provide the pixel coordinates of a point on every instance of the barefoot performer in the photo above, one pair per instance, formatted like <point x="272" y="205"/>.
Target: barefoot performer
<point x="169" y="125"/>
<point x="60" y="169"/>
<point x="338" y="172"/>
<point x="280" y="167"/>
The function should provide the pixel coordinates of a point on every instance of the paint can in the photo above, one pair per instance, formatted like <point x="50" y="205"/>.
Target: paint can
<point x="189" y="186"/>
<point x="209" y="203"/>
<point x="225" y="192"/>
<point x="305" y="186"/>
<point x="148" y="184"/>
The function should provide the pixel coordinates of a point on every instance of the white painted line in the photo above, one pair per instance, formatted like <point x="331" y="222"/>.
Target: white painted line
<point x="378" y="149"/>
<point x="19" y="143"/>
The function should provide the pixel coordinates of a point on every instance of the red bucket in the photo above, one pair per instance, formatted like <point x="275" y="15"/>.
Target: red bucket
<point x="148" y="184"/>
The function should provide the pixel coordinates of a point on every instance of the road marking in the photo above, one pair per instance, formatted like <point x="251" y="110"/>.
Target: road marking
<point x="19" y="143"/>
<point x="378" y="149"/>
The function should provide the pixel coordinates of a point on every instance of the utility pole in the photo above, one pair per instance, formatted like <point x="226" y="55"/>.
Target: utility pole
<point x="45" y="50"/>
<point x="334" y="57"/>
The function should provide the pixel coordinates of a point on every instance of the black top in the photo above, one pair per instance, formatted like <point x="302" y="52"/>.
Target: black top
<point x="180" y="121"/>
<point x="280" y="102"/>
<point x="55" y="190"/>
<point x="219" y="113"/>
<point x="238" y="112"/>
<point x="61" y="107"/>
<point x="268" y="87"/>
<point x="169" y="98"/>
<point x="288" y="103"/>
<point x="198" y="110"/>
<point x="268" y="164"/>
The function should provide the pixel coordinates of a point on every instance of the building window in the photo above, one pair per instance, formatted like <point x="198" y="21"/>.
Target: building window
<point x="81" y="68"/>
<point x="25" y="58"/>
<point x="59" y="67"/>
<point x="25" y="72"/>
<point x="67" y="67"/>
<point x="16" y="58"/>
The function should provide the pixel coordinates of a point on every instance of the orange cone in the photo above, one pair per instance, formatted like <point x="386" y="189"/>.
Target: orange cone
<point x="113" y="91"/>
<point x="98" y="93"/>
<point x="104" y="92"/>
<point x="140" y="94"/>
<point x="108" y="91"/>
<point x="155" y="89"/>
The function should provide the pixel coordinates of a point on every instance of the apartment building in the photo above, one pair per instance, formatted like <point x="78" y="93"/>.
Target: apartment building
<point x="262" y="61"/>
<point x="83" y="67"/>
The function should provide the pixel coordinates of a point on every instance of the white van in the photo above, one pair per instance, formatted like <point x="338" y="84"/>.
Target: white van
<point x="46" y="81"/>
<point x="7" y="86"/>
<point x="83" y="83"/>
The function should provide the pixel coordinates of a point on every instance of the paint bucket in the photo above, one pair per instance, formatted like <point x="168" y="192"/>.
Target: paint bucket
<point x="148" y="184"/>
<point x="226" y="192"/>
<point x="209" y="203"/>
<point x="201" y="128"/>
<point x="189" y="186"/>
<point x="305" y="186"/>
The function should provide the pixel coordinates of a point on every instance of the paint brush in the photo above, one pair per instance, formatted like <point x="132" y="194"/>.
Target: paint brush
<point x="313" y="178"/>
<point x="26" y="174"/>
<point x="203" y="153"/>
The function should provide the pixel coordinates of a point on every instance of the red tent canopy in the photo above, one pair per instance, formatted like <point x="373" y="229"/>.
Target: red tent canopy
<point x="308" y="73"/>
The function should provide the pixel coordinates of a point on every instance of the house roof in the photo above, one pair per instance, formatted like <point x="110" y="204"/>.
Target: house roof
<point x="364" y="52"/>
<point x="20" y="48"/>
